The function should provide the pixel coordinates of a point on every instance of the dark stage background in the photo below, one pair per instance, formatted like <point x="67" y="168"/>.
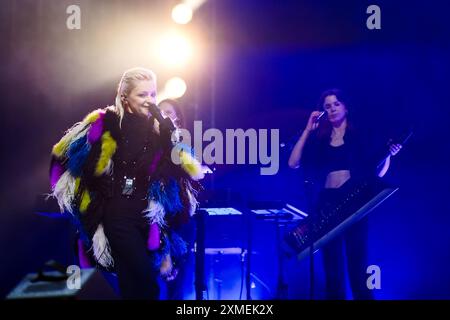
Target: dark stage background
<point x="264" y="65"/>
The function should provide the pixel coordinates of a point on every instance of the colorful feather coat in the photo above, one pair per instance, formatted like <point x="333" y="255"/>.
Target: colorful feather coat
<point x="86" y="151"/>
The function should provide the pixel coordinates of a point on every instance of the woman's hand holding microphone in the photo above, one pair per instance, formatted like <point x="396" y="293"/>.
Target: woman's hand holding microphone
<point x="313" y="121"/>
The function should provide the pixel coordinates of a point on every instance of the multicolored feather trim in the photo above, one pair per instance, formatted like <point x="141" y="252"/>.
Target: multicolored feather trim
<point x="191" y="165"/>
<point x="173" y="248"/>
<point x="193" y="203"/>
<point x="89" y="146"/>
<point x="64" y="192"/>
<point x="167" y="193"/>
<point x="108" y="149"/>
<point x="77" y="154"/>
<point x="166" y="265"/>
<point x="101" y="248"/>
<point x="77" y="130"/>
<point x="93" y="116"/>
<point x="60" y="149"/>
<point x="85" y="201"/>
<point x="154" y="237"/>
<point x="96" y="129"/>
<point x="56" y="171"/>
<point x="155" y="213"/>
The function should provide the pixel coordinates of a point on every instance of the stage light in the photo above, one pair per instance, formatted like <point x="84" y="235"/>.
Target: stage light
<point x="175" y="87"/>
<point x="174" y="50"/>
<point x="194" y="4"/>
<point x="182" y="13"/>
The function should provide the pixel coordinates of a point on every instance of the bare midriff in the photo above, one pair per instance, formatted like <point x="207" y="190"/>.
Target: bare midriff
<point x="335" y="179"/>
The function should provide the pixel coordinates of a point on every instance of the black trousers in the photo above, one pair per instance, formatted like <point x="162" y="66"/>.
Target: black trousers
<point x="346" y="254"/>
<point x="127" y="231"/>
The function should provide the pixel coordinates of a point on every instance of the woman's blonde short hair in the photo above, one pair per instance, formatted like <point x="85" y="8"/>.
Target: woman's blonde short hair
<point x="127" y="83"/>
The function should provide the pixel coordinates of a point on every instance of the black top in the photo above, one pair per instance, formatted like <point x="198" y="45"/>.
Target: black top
<point x="337" y="158"/>
<point x="136" y="147"/>
<point x="134" y="154"/>
<point x="320" y="158"/>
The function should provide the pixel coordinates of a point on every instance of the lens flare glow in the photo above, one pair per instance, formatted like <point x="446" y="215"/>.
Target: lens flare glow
<point x="175" y="88"/>
<point x="182" y="13"/>
<point x="174" y="50"/>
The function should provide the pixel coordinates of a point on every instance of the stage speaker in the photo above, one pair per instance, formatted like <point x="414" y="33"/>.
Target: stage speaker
<point x="54" y="285"/>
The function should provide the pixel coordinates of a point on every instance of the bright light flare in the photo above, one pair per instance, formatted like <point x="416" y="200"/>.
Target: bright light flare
<point x="175" y="88"/>
<point x="174" y="50"/>
<point x="182" y="13"/>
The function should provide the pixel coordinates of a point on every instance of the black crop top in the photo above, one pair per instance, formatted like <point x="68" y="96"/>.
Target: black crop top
<point x="337" y="158"/>
<point x="320" y="158"/>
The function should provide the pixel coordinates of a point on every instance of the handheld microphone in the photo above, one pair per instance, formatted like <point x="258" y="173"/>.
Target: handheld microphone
<point x="156" y="113"/>
<point x="320" y="116"/>
<point x="291" y="142"/>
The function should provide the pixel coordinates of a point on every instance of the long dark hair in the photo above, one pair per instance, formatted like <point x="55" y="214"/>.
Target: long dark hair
<point x="325" y="128"/>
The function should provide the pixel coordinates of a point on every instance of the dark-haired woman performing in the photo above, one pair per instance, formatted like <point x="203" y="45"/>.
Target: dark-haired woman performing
<point x="337" y="153"/>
